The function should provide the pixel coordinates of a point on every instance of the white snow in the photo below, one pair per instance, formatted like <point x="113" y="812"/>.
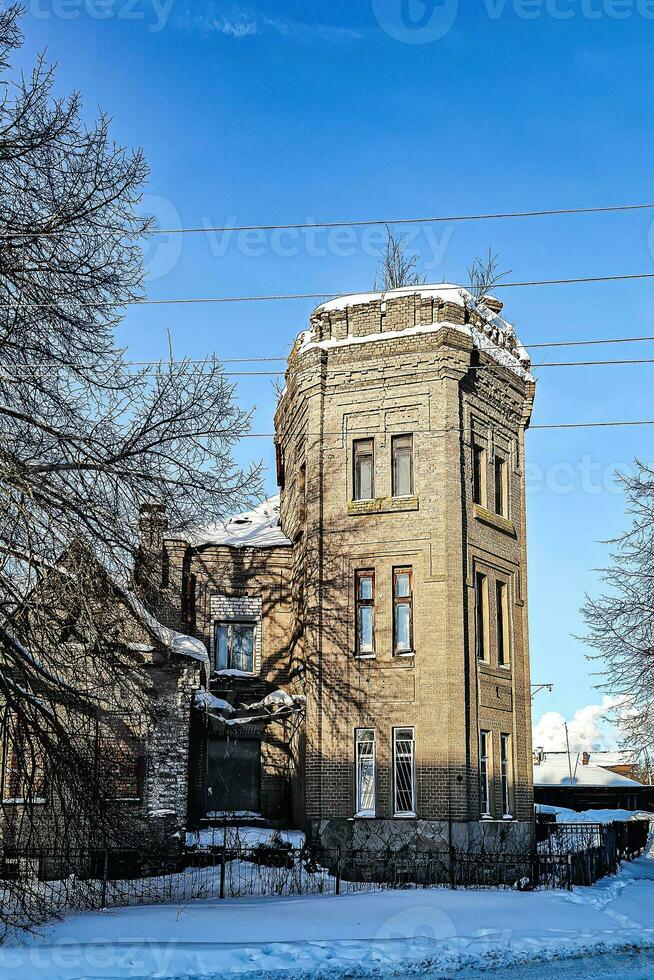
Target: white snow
<point x="232" y="672"/>
<point x="243" y="837"/>
<point x="427" y="932"/>
<point x="205" y="700"/>
<point x="554" y="770"/>
<point x="564" y="815"/>
<point x="257" y="528"/>
<point x="185" y="646"/>
<point x="496" y="337"/>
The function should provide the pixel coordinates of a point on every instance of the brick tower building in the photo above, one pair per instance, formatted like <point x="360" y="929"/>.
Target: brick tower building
<point x="400" y="439"/>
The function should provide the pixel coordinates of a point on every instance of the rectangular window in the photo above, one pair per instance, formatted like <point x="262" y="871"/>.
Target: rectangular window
<point x="23" y="772"/>
<point x="484" y="772"/>
<point x="481" y="615"/>
<point x="479" y="475"/>
<point x="365" y="614"/>
<point x="364" y="465"/>
<point x="234" y="646"/>
<point x="404" y="772"/>
<point x="365" y="772"/>
<point x="503" y="635"/>
<point x="402" y="466"/>
<point x="501" y="487"/>
<point x="402" y="611"/>
<point x="505" y="761"/>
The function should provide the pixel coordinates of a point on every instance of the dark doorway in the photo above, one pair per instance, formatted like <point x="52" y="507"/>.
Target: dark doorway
<point x="234" y="775"/>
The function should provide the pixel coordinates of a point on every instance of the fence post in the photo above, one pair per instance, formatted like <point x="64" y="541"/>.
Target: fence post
<point x="569" y="872"/>
<point x="452" y="869"/>
<point x="105" y="875"/>
<point x="222" y="874"/>
<point x="338" y="871"/>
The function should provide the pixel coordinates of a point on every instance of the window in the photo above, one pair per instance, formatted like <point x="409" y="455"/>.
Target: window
<point x="365" y="772"/>
<point x="505" y="762"/>
<point x="365" y="613"/>
<point x="501" y="487"/>
<point x="479" y="475"/>
<point x="23" y="771"/>
<point x="503" y="636"/>
<point x="402" y="466"/>
<point x="364" y="462"/>
<point x="234" y="646"/>
<point x="481" y="615"/>
<point x="120" y="760"/>
<point x="402" y="611"/>
<point x="404" y="772"/>
<point x="484" y="772"/>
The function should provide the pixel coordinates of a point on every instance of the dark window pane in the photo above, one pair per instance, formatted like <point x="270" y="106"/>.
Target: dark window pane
<point x="222" y="647"/>
<point x="243" y="647"/>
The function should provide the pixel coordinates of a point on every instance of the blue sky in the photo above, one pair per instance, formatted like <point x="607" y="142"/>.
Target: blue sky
<point x="289" y="111"/>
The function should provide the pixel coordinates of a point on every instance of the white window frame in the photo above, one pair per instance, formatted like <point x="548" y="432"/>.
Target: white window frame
<point x="505" y="774"/>
<point x="485" y="751"/>
<point x="359" y="759"/>
<point x="396" y="758"/>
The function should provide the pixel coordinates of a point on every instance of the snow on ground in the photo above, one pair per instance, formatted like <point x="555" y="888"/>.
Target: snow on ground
<point x="377" y="934"/>
<point x="243" y="837"/>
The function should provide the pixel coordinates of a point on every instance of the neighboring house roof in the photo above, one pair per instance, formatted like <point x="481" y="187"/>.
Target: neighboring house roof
<point x="554" y="770"/>
<point x="257" y="528"/>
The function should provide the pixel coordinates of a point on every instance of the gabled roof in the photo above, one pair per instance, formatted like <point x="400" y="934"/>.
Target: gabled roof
<point x="257" y="528"/>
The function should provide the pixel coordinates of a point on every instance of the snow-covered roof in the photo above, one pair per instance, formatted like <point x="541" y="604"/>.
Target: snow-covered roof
<point x="179" y="643"/>
<point x="257" y="528"/>
<point x="493" y="334"/>
<point x="554" y="770"/>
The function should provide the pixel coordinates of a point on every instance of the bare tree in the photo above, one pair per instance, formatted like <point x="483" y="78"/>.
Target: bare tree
<point x="396" y="267"/>
<point x="85" y="439"/>
<point x="620" y="622"/>
<point x="484" y="275"/>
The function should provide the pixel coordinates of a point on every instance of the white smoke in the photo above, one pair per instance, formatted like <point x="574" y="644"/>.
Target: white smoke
<point x="589" y="730"/>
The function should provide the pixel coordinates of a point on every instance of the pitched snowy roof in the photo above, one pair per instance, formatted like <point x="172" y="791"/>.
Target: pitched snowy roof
<point x="493" y="334"/>
<point x="554" y="770"/>
<point x="179" y="643"/>
<point x="257" y="528"/>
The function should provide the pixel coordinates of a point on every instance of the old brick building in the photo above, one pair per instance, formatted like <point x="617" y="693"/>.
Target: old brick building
<point x="368" y="630"/>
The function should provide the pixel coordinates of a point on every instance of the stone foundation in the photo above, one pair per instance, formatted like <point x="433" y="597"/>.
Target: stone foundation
<point x="513" y="837"/>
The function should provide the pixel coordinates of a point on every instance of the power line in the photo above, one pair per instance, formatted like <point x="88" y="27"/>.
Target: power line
<point x="164" y="362"/>
<point x="274" y="297"/>
<point x="361" y="223"/>
<point x="543" y="426"/>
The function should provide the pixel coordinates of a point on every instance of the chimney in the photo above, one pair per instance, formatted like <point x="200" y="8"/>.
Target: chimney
<point x="149" y="565"/>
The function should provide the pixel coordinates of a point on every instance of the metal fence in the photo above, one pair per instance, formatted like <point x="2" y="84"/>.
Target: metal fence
<point x="41" y="885"/>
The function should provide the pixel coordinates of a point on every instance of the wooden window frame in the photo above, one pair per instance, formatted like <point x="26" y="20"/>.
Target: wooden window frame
<point x="358" y="759"/>
<point x="502" y="624"/>
<point x="481" y="617"/>
<point x="395" y="440"/>
<point x="479" y="475"/>
<point x="359" y="603"/>
<point x="356" y="455"/>
<point x="403" y="601"/>
<point x="501" y="475"/>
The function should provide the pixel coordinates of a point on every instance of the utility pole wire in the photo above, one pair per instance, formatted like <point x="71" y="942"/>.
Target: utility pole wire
<point x="366" y="222"/>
